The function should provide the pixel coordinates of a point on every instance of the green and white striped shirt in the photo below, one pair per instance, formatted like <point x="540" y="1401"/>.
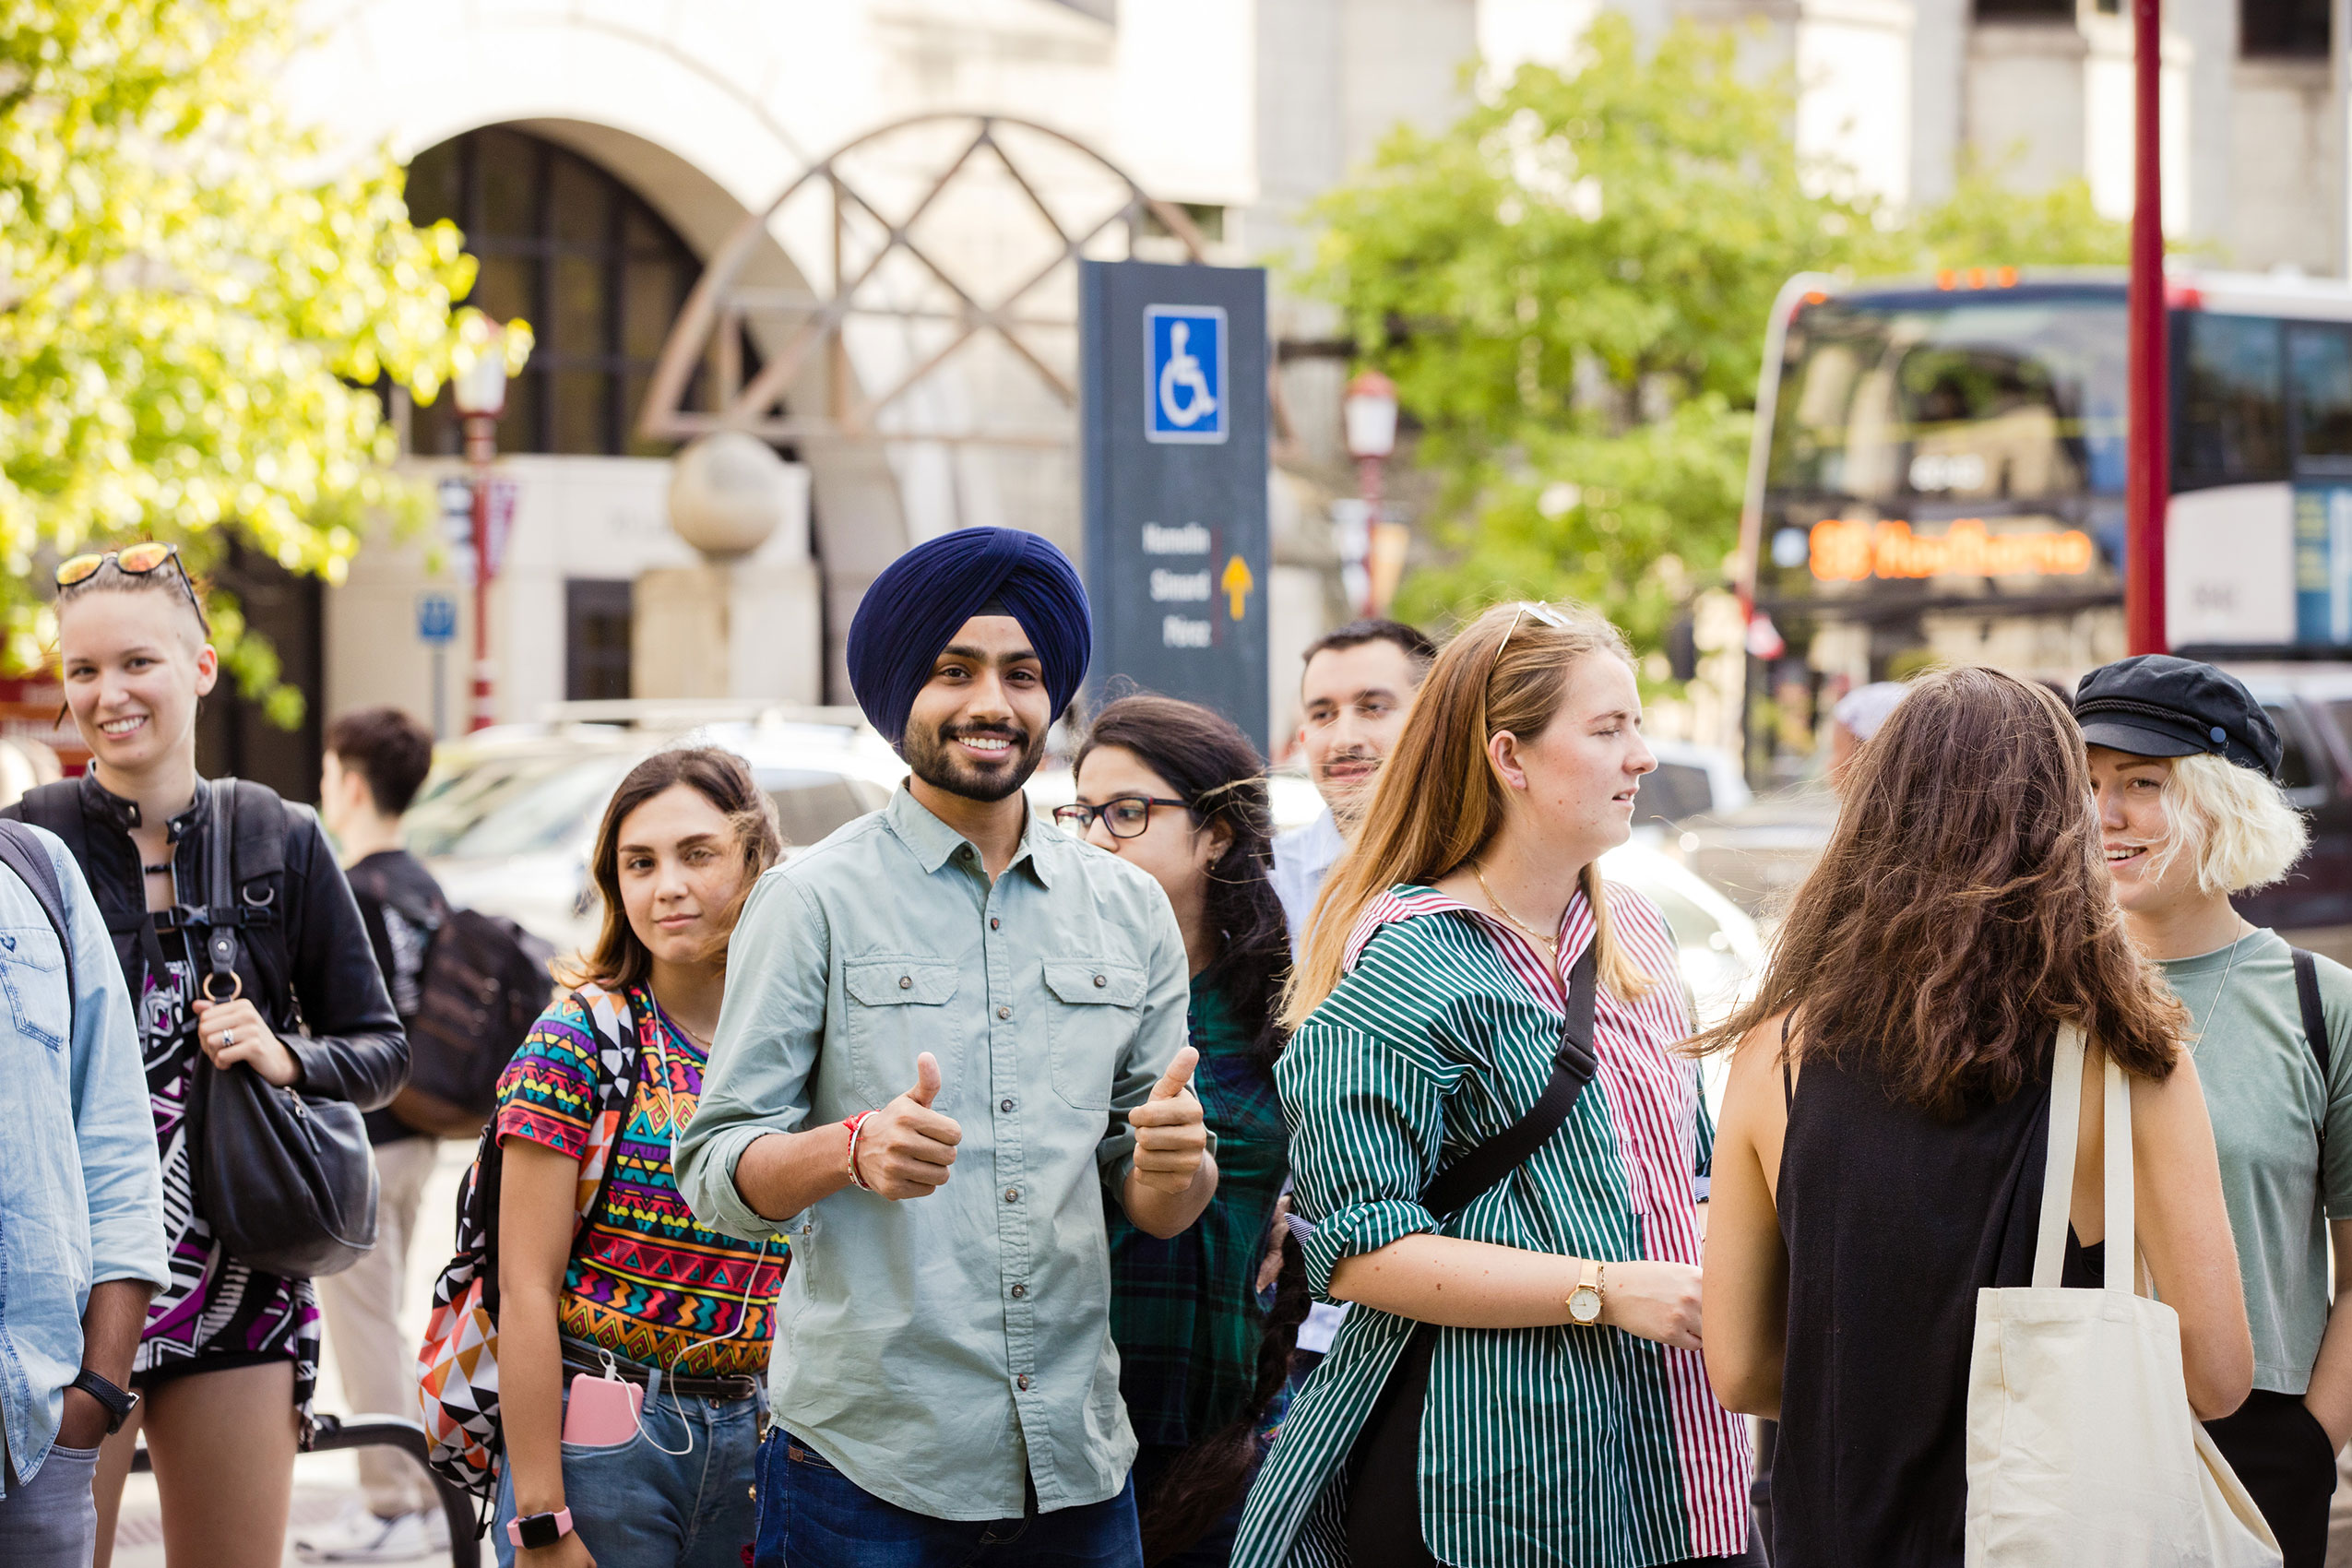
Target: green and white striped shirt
<point x="1562" y="1447"/>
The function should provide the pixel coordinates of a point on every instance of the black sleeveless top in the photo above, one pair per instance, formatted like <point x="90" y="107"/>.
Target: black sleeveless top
<point x="1893" y="1219"/>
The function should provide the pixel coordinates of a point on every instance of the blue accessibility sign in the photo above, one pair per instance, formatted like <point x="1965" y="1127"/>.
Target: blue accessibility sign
<point x="436" y="618"/>
<point x="1184" y="395"/>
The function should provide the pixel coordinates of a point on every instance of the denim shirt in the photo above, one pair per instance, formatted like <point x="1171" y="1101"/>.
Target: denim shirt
<point x="939" y="1350"/>
<point x="81" y="1198"/>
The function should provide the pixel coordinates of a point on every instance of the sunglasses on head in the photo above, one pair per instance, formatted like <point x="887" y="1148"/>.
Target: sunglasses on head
<point x="134" y="561"/>
<point x="1543" y="612"/>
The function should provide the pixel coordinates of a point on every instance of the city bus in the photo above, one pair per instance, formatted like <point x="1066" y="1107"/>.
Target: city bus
<point x="1938" y="473"/>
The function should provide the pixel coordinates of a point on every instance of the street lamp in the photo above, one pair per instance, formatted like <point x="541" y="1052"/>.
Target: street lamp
<point x="480" y="392"/>
<point x="1368" y="417"/>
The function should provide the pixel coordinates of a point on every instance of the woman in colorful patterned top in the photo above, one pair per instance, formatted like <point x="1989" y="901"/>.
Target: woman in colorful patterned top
<point x="1178" y="791"/>
<point x="643" y="1291"/>
<point x="1429" y="1007"/>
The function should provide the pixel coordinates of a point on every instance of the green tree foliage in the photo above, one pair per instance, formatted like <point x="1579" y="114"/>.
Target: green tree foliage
<point x="1570" y="287"/>
<point x="196" y="298"/>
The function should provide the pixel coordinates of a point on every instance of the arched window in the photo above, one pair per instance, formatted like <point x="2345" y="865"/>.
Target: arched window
<point x="579" y="256"/>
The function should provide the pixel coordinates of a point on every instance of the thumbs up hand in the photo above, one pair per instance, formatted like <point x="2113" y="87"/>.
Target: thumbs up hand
<point x="1172" y="1139"/>
<point x="904" y="1148"/>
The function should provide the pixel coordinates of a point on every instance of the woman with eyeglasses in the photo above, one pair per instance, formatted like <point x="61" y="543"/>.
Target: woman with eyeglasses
<point x="1178" y="791"/>
<point x="1501" y="1152"/>
<point x="229" y="1354"/>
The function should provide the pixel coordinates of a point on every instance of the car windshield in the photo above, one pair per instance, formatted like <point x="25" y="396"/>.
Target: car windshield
<point x="811" y="804"/>
<point x="545" y="809"/>
<point x="452" y="803"/>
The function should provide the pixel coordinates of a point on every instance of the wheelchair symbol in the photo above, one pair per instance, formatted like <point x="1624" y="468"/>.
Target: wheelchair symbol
<point x="1185" y="374"/>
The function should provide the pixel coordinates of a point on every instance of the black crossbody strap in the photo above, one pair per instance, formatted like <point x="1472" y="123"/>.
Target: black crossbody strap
<point x="1573" y="1065"/>
<point x="2307" y="992"/>
<point x="22" y="853"/>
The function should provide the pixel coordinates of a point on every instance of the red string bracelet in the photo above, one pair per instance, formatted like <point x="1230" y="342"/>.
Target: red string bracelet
<point x="857" y="1124"/>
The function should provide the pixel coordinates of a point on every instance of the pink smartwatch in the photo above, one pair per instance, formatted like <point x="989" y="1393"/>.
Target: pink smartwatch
<point x="536" y="1530"/>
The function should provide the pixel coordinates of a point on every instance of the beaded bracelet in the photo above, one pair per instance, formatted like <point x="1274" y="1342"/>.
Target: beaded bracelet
<point x="856" y="1125"/>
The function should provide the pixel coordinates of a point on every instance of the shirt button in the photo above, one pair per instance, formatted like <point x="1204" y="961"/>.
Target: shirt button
<point x="1099" y="983"/>
<point x="1019" y="1291"/>
<point x="993" y="923"/>
<point x="1004" y="1105"/>
<point x="1004" y="1012"/>
<point x="906" y="983"/>
<point x="1012" y="1194"/>
<point x="1022" y="1382"/>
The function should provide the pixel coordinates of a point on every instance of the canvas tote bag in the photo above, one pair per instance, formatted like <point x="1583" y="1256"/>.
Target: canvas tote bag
<point x="2083" y="1451"/>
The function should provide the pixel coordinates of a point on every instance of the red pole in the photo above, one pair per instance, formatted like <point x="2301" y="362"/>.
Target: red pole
<point x="2150" y="464"/>
<point x="482" y="446"/>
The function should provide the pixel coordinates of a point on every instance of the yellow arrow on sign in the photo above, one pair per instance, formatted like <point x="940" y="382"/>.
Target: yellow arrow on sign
<point x="1237" y="584"/>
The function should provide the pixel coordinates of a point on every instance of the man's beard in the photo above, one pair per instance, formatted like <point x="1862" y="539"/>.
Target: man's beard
<point x="1355" y="798"/>
<point x="931" y="755"/>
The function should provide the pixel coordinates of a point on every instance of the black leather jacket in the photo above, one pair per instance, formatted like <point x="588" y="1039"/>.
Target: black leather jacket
<point x="339" y="1023"/>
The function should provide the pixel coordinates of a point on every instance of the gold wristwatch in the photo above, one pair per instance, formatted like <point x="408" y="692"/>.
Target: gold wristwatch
<point x="1583" y="1302"/>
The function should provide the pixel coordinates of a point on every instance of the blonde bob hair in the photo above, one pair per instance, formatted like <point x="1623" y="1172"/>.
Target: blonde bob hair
<point x="2231" y="822"/>
<point x="1438" y="799"/>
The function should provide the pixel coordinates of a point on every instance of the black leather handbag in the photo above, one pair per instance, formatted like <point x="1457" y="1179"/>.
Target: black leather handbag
<point x="1384" y="1490"/>
<point x="285" y="1180"/>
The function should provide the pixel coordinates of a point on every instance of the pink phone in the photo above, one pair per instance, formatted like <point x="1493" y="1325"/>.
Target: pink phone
<point x="602" y="1411"/>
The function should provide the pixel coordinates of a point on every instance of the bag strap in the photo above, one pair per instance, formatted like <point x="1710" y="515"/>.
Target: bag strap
<point x="1572" y="1067"/>
<point x="2307" y="993"/>
<point x="2057" y="1174"/>
<point x="220" y="893"/>
<point x="24" y="854"/>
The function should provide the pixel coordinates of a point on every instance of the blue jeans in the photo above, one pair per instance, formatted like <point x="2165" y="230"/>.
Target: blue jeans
<point x="814" y="1516"/>
<point x="635" y="1506"/>
<point x="50" y="1521"/>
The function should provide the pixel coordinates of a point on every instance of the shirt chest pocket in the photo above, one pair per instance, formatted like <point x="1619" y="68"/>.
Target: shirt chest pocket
<point x="899" y="1010"/>
<point x="1091" y="1019"/>
<point x="32" y="973"/>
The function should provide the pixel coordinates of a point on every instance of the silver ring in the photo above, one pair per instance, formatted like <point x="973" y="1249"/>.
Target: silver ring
<point x="228" y="1039"/>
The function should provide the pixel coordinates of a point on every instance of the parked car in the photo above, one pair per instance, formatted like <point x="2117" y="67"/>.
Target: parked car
<point x="508" y="817"/>
<point x="1690" y="781"/>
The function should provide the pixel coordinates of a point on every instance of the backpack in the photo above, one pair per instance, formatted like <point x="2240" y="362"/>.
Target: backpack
<point x="22" y="852"/>
<point x="485" y="979"/>
<point x="457" y="1364"/>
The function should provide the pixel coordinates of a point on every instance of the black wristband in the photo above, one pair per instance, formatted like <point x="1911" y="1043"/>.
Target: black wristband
<point x="119" y="1402"/>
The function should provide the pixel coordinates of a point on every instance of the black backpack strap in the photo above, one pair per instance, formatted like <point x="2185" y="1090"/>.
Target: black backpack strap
<point x="1573" y="1065"/>
<point x="2307" y="992"/>
<point x="24" y="854"/>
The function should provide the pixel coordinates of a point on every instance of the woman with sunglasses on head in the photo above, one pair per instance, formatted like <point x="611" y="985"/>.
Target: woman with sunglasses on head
<point x="229" y="1354"/>
<point x="1499" y="1151"/>
<point x="1180" y="791"/>
<point x="638" y="1290"/>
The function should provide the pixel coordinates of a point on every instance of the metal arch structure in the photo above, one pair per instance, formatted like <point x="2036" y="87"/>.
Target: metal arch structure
<point x="707" y="328"/>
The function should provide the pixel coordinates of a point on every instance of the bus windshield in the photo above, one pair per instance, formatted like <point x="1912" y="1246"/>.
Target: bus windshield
<point x="1988" y="401"/>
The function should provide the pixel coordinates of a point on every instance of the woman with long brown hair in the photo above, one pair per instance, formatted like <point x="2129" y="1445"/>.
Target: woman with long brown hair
<point x="1180" y="791"/>
<point x="635" y="1289"/>
<point x="1519" y="1381"/>
<point x="1885" y="1125"/>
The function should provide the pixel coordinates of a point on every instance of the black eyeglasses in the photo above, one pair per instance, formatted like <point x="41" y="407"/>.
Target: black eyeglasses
<point x="1125" y="815"/>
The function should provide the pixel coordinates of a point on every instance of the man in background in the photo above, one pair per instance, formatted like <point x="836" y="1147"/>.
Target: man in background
<point x="376" y="760"/>
<point x="79" y="1174"/>
<point x="1357" y="683"/>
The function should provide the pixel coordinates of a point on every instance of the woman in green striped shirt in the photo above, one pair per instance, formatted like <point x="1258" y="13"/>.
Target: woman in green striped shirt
<point x="1428" y="1008"/>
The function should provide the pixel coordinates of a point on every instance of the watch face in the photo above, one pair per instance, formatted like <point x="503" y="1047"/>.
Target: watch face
<point x="540" y="1530"/>
<point x="1584" y="1305"/>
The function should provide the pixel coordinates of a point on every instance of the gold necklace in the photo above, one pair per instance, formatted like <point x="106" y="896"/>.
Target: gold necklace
<point x="1551" y="942"/>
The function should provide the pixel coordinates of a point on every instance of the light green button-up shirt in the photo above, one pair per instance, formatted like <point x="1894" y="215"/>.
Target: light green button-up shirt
<point x="938" y="1350"/>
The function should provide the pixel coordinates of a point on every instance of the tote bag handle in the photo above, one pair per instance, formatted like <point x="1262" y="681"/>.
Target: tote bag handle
<point x="2058" y="1179"/>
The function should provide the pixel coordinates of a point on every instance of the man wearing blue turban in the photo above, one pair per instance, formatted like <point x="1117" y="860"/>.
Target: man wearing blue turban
<point x="949" y="1028"/>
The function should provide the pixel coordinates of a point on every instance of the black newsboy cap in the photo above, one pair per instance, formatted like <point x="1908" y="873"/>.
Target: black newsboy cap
<point x="2154" y="705"/>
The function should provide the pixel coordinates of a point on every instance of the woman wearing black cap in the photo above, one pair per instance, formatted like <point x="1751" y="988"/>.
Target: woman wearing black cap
<point x="2184" y="763"/>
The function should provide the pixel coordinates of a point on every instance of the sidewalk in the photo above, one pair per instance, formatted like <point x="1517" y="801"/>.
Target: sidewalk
<point x="326" y="1483"/>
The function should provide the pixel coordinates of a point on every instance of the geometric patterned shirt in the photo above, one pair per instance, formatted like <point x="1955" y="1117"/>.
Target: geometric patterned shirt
<point x="646" y="1280"/>
<point x="1549" y="1447"/>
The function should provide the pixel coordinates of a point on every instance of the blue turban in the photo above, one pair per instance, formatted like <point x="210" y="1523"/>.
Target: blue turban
<point x="922" y="600"/>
